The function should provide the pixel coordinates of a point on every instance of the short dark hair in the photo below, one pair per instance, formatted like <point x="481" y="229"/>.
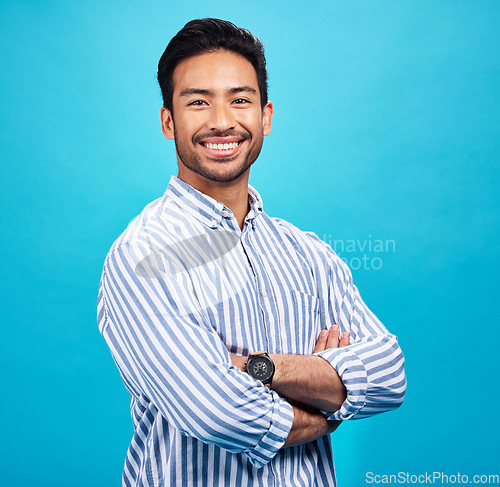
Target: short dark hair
<point x="207" y="35"/>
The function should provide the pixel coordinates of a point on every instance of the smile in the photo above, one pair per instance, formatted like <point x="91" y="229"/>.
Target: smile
<point x="221" y="147"/>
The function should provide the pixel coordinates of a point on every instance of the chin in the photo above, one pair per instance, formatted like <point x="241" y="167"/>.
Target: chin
<point x="223" y="176"/>
<point x="221" y="172"/>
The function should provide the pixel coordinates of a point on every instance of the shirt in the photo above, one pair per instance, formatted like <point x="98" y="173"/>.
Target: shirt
<point x="182" y="288"/>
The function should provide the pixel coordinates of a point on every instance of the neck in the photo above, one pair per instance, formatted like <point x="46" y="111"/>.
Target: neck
<point x="234" y="194"/>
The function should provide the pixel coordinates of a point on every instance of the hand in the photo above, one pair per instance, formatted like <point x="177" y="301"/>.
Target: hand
<point x="330" y="339"/>
<point x="239" y="361"/>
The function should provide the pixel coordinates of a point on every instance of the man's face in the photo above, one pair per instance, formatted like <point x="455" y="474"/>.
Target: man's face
<point x="218" y="123"/>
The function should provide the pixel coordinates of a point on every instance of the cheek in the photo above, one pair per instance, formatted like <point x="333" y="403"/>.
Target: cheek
<point x="186" y="124"/>
<point x="253" y="123"/>
<point x="184" y="130"/>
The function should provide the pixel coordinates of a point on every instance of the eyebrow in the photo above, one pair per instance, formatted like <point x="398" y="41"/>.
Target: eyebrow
<point x="231" y="91"/>
<point x="239" y="89"/>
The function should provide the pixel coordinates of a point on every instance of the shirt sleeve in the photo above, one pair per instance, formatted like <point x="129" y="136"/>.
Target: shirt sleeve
<point x="167" y="351"/>
<point x="372" y="365"/>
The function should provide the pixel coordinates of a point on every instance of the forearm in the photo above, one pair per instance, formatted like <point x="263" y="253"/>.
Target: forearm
<point x="373" y="373"/>
<point x="308" y="425"/>
<point x="308" y="379"/>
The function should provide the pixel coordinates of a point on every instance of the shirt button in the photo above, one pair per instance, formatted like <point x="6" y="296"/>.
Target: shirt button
<point x="213" y="223"/>
<point x="225" y="213"/>
<point x="264" y="293"/>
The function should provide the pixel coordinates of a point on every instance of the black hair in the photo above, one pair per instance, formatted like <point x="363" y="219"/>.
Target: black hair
<point x="207" y="35"/>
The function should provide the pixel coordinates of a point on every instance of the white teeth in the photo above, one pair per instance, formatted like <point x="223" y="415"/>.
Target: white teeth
<point x="230" y="146"/>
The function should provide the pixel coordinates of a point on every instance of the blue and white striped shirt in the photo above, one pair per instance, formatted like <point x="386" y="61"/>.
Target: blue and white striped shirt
<point x="182" y="288"/>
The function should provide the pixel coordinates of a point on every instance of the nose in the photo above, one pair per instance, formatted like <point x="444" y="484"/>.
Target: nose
<point x="221" y="117"/>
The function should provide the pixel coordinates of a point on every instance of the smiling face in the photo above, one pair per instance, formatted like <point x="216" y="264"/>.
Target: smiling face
<point x="218" y="123"/>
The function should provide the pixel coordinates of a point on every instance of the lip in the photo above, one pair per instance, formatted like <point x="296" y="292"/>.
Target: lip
<point x="220" y="154"/>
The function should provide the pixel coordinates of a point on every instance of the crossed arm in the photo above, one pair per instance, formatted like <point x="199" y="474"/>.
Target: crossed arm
<point x="311" y="385"/>
<point x="168" y="353"/>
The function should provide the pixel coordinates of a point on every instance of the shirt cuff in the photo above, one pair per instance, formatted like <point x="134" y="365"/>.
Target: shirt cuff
<point x="352" y="371"/>
<point x="274" y="439"/>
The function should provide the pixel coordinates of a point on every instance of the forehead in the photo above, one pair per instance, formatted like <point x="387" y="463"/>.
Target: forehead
<point x="219" y="70"/>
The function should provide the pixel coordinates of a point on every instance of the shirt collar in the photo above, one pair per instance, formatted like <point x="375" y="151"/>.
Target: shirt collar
<point x="205" y="208"/>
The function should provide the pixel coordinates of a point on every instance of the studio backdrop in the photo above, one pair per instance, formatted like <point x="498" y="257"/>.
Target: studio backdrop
<point x="385" y="143"/>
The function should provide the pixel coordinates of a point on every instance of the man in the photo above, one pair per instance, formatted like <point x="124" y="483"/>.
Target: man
<point x="242" y="341"/>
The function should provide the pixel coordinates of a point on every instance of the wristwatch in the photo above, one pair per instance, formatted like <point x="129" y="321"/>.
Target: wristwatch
<point x="260" y="367"/>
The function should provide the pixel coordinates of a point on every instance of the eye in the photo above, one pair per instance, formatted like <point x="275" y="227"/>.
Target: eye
<point x="240" y="101"/>
<point x="197" y="103"/>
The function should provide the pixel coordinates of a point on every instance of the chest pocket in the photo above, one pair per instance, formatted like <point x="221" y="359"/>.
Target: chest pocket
<point x="305" y="322"/>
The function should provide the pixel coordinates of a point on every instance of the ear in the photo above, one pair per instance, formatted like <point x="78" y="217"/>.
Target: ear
<point x="267" y="117"/>
<point x="167" y="123"/>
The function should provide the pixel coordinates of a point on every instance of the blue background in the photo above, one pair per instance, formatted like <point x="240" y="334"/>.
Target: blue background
<point x="386" y="127"/>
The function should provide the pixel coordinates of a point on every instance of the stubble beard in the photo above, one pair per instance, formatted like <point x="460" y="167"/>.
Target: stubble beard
<point x="193" y="161"/>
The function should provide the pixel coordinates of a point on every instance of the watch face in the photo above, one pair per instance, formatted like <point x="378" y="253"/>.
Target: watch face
<point x="261" y="368"/>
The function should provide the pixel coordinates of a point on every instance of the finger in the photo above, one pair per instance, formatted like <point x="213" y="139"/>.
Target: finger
<point x="333" y="337"/>
<point x="344" y="339"/>
<point x="321" y="342"/>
